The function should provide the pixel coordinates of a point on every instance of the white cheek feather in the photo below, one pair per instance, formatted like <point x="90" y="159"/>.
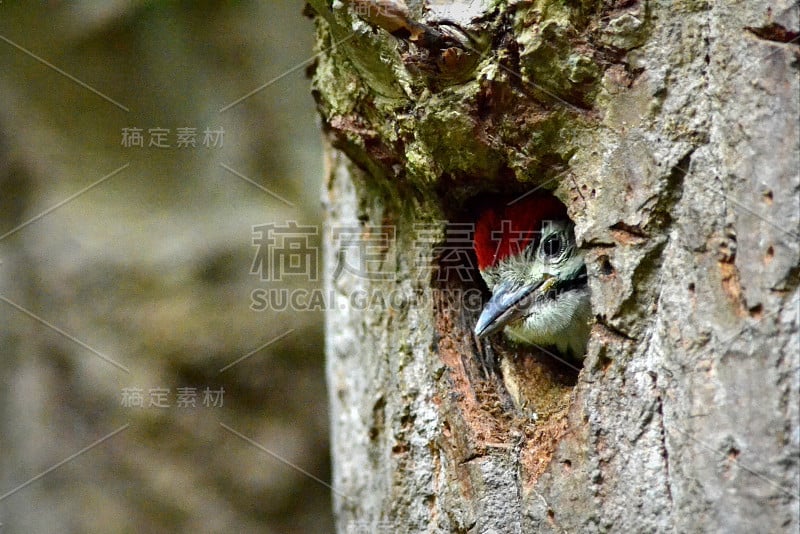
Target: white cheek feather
<point x="562" y="323"/>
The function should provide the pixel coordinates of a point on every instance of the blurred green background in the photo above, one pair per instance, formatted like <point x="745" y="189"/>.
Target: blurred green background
<point x="140" y="279"/>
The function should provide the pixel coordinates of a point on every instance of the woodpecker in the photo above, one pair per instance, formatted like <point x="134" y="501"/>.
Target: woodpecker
<point x="527" y="256"/>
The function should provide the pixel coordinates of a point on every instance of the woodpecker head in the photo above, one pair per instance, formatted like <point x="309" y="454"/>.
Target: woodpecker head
<point x="527" y="256"/>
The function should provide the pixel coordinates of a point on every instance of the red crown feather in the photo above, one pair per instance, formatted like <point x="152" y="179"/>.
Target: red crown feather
<point x="507" y="230"/>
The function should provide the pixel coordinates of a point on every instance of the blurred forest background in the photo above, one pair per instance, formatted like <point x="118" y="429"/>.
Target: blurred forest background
<point x="126" y="269"/>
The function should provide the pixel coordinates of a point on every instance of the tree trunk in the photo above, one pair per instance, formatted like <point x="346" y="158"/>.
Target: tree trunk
<point x="670" y="132"/>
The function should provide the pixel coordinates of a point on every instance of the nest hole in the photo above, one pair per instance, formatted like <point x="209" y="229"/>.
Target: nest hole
<point x="521" y="387"/>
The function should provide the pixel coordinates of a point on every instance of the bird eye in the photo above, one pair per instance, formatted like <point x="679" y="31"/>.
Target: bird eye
<point x="553" y="246"/>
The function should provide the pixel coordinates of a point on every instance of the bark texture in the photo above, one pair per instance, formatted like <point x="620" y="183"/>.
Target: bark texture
<point x="669" y="129"/>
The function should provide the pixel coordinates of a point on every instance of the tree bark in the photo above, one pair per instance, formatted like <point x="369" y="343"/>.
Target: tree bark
<point x="670" y="132"/>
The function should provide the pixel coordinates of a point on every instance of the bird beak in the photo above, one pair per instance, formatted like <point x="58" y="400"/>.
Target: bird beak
<point x="510" y="302"/>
